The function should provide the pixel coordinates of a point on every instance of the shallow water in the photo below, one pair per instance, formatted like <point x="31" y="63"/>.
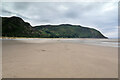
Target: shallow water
<point x="100" y="42"/>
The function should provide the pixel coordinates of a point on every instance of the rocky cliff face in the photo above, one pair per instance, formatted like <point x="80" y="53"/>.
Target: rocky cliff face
<point x="16" y="27"/>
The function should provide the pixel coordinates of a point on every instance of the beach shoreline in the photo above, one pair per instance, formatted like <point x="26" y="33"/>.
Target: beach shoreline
<point x="56" y="59"/>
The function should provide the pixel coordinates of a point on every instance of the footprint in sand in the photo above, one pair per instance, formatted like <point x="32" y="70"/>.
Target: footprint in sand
<point x="43" y="50"/>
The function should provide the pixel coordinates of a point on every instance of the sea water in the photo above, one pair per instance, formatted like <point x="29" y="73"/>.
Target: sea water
<point x="100" y="42"/>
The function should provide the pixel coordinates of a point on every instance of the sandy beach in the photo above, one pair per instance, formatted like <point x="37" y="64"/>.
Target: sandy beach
<point x="46" y="59"/>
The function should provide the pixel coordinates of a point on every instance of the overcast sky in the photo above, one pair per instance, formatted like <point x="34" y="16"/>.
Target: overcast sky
<point x="102" y="16"/>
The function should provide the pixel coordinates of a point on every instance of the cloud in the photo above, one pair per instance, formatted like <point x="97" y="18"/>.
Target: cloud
<point x="112" y="34"/>
<point x="99" y="15"/>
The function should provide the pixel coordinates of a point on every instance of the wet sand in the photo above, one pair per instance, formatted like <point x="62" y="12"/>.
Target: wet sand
<point x="43" y="59"/>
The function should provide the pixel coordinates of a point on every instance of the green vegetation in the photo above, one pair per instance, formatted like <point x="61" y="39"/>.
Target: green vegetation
<point x="16" y="27"/>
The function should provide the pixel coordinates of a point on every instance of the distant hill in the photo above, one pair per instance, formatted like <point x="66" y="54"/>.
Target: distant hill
<point x="16" y="27"/>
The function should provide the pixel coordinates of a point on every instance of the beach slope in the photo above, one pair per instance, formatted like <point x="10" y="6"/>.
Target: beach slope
<point x="42" y="59"/>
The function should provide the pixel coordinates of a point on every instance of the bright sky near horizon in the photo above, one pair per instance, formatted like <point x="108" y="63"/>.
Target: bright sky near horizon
<point x="102" y="16"/>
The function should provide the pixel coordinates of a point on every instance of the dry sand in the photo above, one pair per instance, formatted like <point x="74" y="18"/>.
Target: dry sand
<point x="24" y="59"/>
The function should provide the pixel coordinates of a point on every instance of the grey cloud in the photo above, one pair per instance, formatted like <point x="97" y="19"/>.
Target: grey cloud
<point x="6" y="12"/>
<point x="21" y="5"/>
